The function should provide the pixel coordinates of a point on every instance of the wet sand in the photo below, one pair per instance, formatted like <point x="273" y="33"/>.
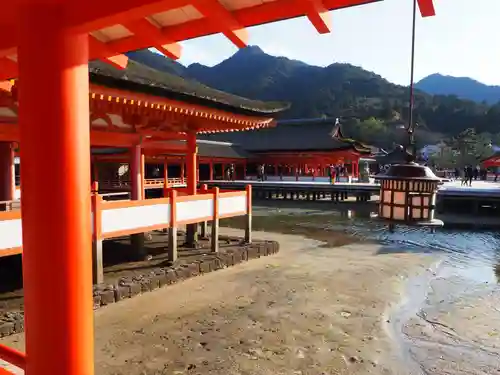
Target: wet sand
<point x="307" y="310"/>
<point x="457" y="332"/>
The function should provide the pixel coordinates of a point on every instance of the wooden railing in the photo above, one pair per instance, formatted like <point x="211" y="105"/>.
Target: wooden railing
<point x="113" y="217"/>
<point x="149" y="183"/>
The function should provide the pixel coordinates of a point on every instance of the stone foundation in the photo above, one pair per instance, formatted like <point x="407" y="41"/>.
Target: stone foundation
<point x="128" y="287"/>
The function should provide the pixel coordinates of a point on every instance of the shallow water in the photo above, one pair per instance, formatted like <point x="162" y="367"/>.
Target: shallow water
<point x="466" y="273"/>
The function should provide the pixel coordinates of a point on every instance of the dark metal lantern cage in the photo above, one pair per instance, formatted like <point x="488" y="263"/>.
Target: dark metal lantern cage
<point x="408" y="194"/>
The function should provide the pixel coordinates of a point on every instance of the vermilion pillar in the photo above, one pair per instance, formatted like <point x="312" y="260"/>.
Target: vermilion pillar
<point x="136" y="171"/>
<point x="7" y="173"/>
<point x="211" y="166"/>
<point x="165" y="177"/>
<point x="191" y="184"/>
<point x="55" y="154"/>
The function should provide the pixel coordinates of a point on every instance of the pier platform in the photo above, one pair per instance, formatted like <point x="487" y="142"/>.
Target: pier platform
<point x="483" y="197"/>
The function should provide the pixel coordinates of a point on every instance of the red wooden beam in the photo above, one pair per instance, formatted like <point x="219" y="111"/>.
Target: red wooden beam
<point x="223" y="19"/>
<point x="317" y="14"/>
<point x="151" y="34"/>
<point x="97" y="48"/>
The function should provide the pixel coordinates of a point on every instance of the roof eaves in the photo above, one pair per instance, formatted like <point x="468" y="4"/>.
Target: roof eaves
<point x="143" y="79"/>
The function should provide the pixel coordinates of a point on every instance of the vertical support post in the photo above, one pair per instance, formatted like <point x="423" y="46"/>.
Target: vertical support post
<point x="136" y="172"/>
<point x="7" y="174"/>
<point x="59" y="326"/>
<point x="136" y="178"/>
<point x="197" y="170"/>
<point x="94" y="170"/>
<point x="165" y="178"/>
<point x="143" y="176"/>
<point x="191" y="158"/>
<point x="296" y="173"/>
<point x="183" y="180"/>
<point x="248" y="221"/>
<point x="214" y="244"/>
<point x="211" y="172"/>
<point x="244" y="171"/>
<point x="172" y="233"/>
<point x="97" y="260"/>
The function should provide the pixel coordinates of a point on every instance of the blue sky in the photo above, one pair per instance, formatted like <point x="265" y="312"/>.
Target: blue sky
<point x="462" y="40"/>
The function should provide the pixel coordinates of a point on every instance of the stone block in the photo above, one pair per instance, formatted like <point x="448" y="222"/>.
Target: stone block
<point x="6" y="328"/>
<point x="205" y="266"/>
<point x="97" y="301"/>
<point x="252" y="252"/>
<point x="238" y="256"/>
<point x="160" y="278"/>
<point x="154" y="282"/>
<point x="19" y="325"/>
<point x="228" y="259"/>
<point x="122" y="292"/>
<point x="194" y="268"/>
<point x="135" y="289"/>
<point x="244" y="253"/>
<point x="145" y="285"/>
<point x="107" y="297"/>
<point x="218" y="263"/>
<point x="171" y="276"/>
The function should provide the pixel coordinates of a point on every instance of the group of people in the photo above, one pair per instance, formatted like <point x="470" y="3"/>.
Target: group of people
<point x="469" y="173"/>
<point x="230" y="173"/>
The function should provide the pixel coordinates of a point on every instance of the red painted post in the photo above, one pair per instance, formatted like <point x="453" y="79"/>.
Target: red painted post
<point x="7" y="174"/>
<point x="248" y="222"/>
<point x="55" y="153"/>
<point x="191" y="158"/>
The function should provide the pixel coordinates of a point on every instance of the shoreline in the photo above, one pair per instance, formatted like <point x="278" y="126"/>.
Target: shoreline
<point x="351" y="208"/>
<point x="309" y="309"/>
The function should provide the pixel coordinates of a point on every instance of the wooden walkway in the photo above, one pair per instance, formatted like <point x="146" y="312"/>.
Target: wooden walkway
<point x="482" y="198"/>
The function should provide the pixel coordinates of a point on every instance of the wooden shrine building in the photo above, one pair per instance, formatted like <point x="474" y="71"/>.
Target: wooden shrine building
<point x="298" y="149"/>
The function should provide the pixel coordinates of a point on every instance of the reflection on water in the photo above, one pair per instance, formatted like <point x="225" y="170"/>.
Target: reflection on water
<point x="474" y="255"/>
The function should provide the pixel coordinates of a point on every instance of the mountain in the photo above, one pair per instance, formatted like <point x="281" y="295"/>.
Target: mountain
<point x="158" y="62"/>
<point x="462" y="87"/>
<point x="338" y="90"/>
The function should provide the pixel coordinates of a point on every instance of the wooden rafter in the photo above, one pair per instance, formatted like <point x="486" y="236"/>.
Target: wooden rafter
<point x="97" y="48"/>
<point x="152" y="34"/>
<point x="317" y="14"/>
<point x="222" y="18"/>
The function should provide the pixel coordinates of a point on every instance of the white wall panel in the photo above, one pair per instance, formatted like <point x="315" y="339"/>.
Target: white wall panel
<point x="11" y="234"/>
<point x="121" y="219"/>
<point x="191" y="210"/>
<point x="229" y="205"/>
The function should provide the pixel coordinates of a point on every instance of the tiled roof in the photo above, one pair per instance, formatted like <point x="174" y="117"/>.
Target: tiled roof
<point x="221" y="150"/>
<point x="140" y="78"/>
<point x="321" y="134"/>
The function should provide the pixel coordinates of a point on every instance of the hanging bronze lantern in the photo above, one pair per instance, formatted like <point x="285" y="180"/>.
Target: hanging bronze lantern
<point x="408" y="195"/>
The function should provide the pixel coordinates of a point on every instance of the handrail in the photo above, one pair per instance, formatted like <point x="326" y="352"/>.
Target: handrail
<point x="13" y="356"/>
